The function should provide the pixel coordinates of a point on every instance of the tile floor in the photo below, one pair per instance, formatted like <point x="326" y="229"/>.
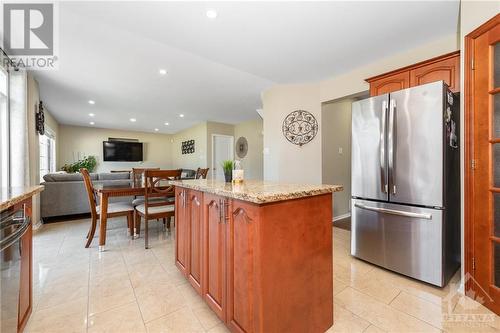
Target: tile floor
<point x="129" y="289"/>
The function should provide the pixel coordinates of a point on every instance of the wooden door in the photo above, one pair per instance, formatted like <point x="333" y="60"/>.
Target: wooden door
<point x="25" y="287"/>
<point x="241" y="248"/>
<point x="447" y="70"/>
<point x="482" y="110"/>
<point x="195" y="238"/>
<point x="181" y="230"/>
<point x="390" y="83"/>
<point x="214" y="252"/>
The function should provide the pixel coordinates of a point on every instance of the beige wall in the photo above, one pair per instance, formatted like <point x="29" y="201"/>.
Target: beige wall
<point x="336" y="165"/>
<point x="197" y="133"/>
<point x="284" y="161"/>
<point x="76" y="142"/>
<point x="253" y="162"/>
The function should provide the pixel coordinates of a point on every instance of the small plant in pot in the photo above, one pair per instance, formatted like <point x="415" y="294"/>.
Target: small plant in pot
<point x="228" y="166"/>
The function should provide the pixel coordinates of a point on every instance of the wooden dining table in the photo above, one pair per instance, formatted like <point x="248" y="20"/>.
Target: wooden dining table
<point x="105" y="192"/>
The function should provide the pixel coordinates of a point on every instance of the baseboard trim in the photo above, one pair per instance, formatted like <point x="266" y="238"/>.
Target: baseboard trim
<point x="340" y="217"/>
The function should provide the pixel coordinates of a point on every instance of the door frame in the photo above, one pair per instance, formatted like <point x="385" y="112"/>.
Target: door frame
<point x="213" y="150"/>
<point x="469" y="147"/>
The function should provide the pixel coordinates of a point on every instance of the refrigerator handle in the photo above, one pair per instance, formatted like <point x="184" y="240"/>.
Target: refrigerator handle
<point x="382" y="149"/>
<point x="391" y="144"/>
<point x="395" y="212"/>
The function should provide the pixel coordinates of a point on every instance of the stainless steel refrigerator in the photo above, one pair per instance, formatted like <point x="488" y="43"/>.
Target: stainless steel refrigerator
<point x="405" y="182"/>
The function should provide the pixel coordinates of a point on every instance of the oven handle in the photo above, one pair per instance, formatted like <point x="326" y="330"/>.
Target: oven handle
<point x="395" y="212"/>
<point x="11" y="239"/>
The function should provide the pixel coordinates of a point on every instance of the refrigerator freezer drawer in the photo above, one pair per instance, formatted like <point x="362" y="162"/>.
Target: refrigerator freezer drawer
<point x="405" y="239"/>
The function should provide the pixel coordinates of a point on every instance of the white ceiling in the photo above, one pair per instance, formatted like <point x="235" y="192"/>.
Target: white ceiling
<point x="111" y="52"/>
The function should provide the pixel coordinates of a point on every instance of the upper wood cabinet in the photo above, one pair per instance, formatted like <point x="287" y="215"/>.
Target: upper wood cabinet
<point x="445" y="67"/>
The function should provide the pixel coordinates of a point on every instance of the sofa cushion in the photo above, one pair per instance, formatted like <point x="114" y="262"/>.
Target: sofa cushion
<point x="114" y="175"/>
<point x="66" y="177"/>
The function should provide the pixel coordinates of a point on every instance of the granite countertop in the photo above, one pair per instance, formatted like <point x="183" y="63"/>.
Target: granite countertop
<point x="257" y="191"/>
<point x="9" y="196"/>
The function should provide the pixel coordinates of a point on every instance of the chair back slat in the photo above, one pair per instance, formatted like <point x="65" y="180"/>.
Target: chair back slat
<point x="201" y="173"/>
<point x="90" y="191"/>
<point x="137" y="175"/>
<point x="157" y="185"/>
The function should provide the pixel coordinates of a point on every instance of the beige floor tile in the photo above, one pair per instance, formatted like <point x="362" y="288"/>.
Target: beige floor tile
<point x="191" y="297"/>
<point x="220" y="328"/>
<point x="338" y="286"/>
<point x="56" y="294"/>
<point x="380" y="314"/>
<point x="419" y="308"/>
<point x="180" y="321"/>
<point x="126" y="318"/>
<point x="346" y="321"/>
<point x="108" y="294"/>
<point x="158" y="302"/>
<point x="67" y="317"/>
<point x="207" y="317"/>
<point x="373" y="329"/>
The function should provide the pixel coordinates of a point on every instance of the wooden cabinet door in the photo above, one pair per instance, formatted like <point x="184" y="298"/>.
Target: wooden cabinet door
<point x="482" y="169"/>
<point x="25" y="287"/>
<point x="390" y="83"/>
<point x="447" y="70"/>
<point x="214" y="252"/>
<point x="195" y="238"/>
<point x="241" y="245"/>
<point x="181" y="230"/>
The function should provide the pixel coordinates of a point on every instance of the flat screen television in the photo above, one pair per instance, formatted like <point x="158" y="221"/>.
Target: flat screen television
<point x="121" y="151"/>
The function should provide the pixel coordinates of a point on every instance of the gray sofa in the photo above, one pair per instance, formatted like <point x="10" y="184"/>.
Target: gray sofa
<point x="65" y="193"/>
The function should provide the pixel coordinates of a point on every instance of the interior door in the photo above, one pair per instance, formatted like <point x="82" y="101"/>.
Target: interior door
<point x="222" y="151"/>
<point x="483" y="163"/>
<point x="368" y="151"/>
<point x="415" y="145"/>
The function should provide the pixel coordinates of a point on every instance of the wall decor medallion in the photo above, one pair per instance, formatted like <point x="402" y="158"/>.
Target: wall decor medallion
<point x="241" y="147"/>
<point x="40" y="119"/>
<point x="187" y="147"/>
<point x="300" y="127"/>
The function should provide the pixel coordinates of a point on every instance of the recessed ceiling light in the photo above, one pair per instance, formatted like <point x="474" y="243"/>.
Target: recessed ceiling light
<point x="91" y="102"/>
<point x="181" y="115"/>
<point x="211" y="14"/>
<point x="92" y="123"/>
<point x="166" y="124"/>
<point x="133" y="120"/>
<point x="91" y="114"/>
<point x="156" y="129"/>
<point x="162" y="71"/>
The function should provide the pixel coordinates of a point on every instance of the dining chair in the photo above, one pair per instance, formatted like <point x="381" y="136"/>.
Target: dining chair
<point x="137" y="174"/>
<point x="115" y="209"/>
<point x="201" y="173"/>
<point x="156" y="186"/>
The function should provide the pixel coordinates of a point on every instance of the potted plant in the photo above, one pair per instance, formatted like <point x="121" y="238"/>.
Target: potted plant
<point x="227" y="166"/>
<point x="89" y="163"/>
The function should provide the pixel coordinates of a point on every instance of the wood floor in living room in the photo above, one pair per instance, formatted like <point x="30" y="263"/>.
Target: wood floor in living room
<point x="130" y="289"/>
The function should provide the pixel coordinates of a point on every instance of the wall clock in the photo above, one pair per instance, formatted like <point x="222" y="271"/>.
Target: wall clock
<point x="300" y="127"/>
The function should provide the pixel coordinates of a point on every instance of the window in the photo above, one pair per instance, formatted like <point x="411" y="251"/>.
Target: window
<point x="47" y="153"/>
<point x="4" y="124"/>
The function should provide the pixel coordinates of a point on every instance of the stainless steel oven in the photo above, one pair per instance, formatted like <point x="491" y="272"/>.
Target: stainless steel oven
<point x="13" y="225"/>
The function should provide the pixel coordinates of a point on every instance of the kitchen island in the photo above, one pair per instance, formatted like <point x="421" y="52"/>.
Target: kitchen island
<point x="258" y="253"/>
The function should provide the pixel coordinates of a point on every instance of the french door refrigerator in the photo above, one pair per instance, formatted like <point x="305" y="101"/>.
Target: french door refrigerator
<point x="405" y="182"/>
